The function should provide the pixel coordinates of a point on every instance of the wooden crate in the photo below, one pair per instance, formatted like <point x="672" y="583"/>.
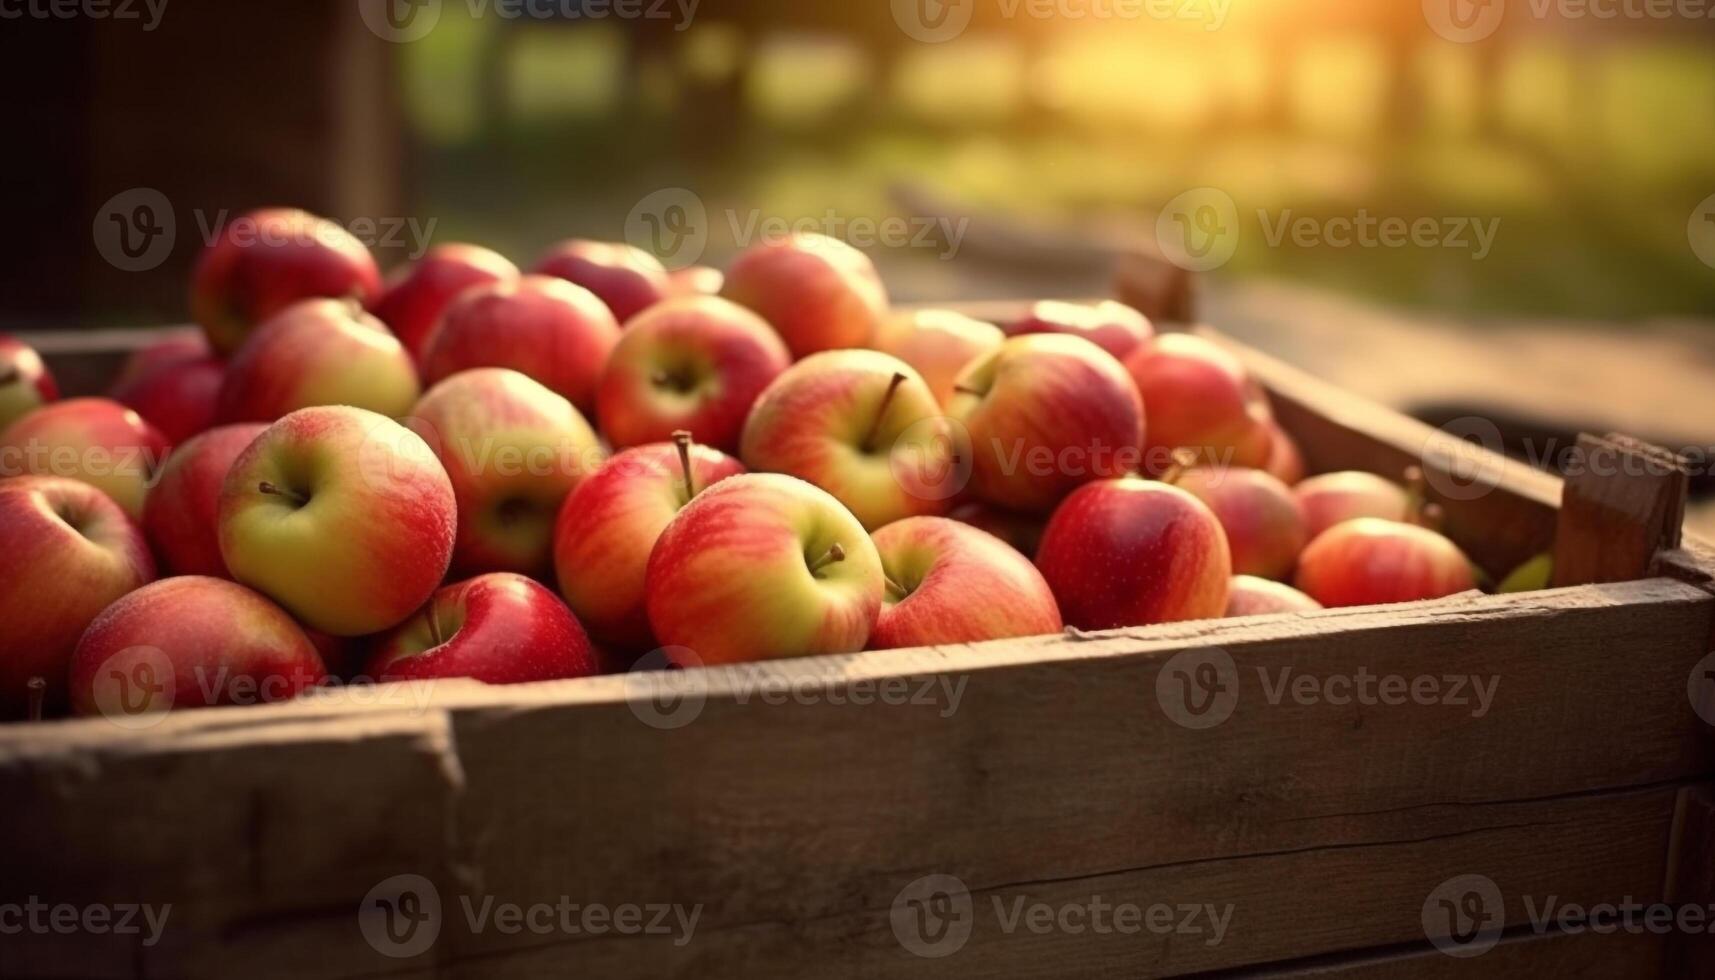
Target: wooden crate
<point x="886" y="814"/>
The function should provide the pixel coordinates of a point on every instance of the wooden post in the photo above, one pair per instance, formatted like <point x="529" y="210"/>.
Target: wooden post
<point x="1623" y="504"/>
<point x="1691" y="881"/>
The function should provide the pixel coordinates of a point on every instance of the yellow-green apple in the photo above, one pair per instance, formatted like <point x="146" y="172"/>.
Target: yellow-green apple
<point x="1252" y="596"/>
<point x="940" y="344"/>
<point x="1264" y="525"/>
<point x="626" y="278"/>
<point x="556" y="332"/>
<point x="190" y="642"/>
<point x="695" y="280"/>
<point x="761" y="566"/>
<point x="416" y="295"/>
<point x="499" y="628"/>
<point x="318" y="352"/>
<point x="1333" y="498"/>
<point x="861" y="425"/>
<point x="70" y="552"/>
<point x="177" y="398"/>
<point x="694" y="363"/>
<point x="1285" y="459"/>
<point x="1368" y="561"/>
<point x="343" y="516"/>
<point x="25" y="383"/>
<point x="181" y="516"/>
<point x="1022" y="531"/>
<point x="98" y="441"/>
<point x="264" y="261"/>
<point x="1047" y="413"/>
<point x="610" y="524"/>
<point x="948" y="582"/>
<point x="513" y="450"/>
<point x="818" y="292"/>
<point x="1133" y="552"/>
<point x="1200" y="397"/>
<point x="171" y="347"/>
<point x="1110" y="325"/>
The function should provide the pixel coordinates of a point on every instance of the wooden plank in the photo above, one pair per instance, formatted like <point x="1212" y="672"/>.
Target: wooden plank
<point x="1583" y="956"/>
<point x="1624" y="503"/>
<point x="1691" y="871"/>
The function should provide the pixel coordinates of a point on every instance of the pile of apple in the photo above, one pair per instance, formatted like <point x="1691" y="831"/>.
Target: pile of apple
<point x="466" y="471"/>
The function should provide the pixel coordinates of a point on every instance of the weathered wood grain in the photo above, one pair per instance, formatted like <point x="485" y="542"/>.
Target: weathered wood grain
<point x="1623" y="505"/>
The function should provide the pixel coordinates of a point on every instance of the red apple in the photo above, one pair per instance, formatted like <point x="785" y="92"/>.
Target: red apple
<point x="498" y="628"/>
<point x="1022" y="531"/>
<point x="1252" y="596"/>
<point x="262" y="262"/>
<point x="695" y="280"/>
<point x="1333" y="498"/>
<point x="1265" y="528"/>
<point x="1135" y="552"/>
<point x="761" y="566"/>
<point x="513" y="450"/>
<point x="1112" y="326"/>
<point x="948" y="582"/>
<point x="1285" y="459"/>
<point x="318" y="352"/>
<point x="70" y="552"/>
<point x="940" y="344"/>
<point x="1047" y="413"/>
<point x="417" y="295"/>
<point x="547" y="328"/>
<point x="1368" y="561"/>
<point x="694" y="363"/>
<point x="1200" y="397"/>
<point x="98" y="441"/>
<point x="610" y="524"/>
<point x="340" y="515"/>
<point x="626" y="278"/>
<point x="172" y="347"/>
<point x="177" y="398"/>
<point x="818" y="292"/>
<point x="862" y="426"/>
<point x="190" y="642"/>
<point x="25" y="384"/>
<point x="182" y="513"/>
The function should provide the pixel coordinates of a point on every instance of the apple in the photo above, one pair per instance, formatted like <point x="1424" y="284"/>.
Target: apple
<point x="549" y="329"/>
<point x="1285" y="459"/>
<point x="610" y="524"/>
<point x="861" y="425"/>
<point x="98" y="441"/>
<point x="25" y="384"/>
<point x="264" y="261"/>
<point x="948" y="582"/>
<point x="498" y="628"/>
<point x="1200" y="397"/>
<point x="1134" y="552"/>
<point x="1022" y="531"/>
<point x="70" y="552"/>
<point x="190" y="642"/>
<point x="417" y="295"/>
<point x="341" y="515"/>
<point x="170" y="347"/>
<point x="1333" y="498"/>
<point x="182" y="512"/>
<point x="178" y="398"/>
<point x="693" y="363"/>
<point x="513" y="450"/>
<point x="818" y="292"/>
<point x="1112" y="326"/>
<point x="940" y="344"/>
<point x="695" y="280"/>
<point x="625" y="277"/>
<point x="1264" y="525"/>
<point x="1047" y="413"/>
<point x="318" y="352"/>
<point x="761" y="566"/>
<point x="1368" y="561"/>
<point x="1252" y="596"/>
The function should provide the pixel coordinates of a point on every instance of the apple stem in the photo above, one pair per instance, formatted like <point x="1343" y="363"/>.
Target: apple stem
<point x="1429" y="516"/>
<point x="894" y="588"/>
<point x="868" y="444"/>
<point x="962" y="390"/>
<point x="682" y="439"/>
<point x="434" y="624"/>
<point x="38" y="687"/>
<point x="1183" y="459"/>
<point x="8" y="375"/>
<point x="272" y="490"/>
<point x="1416" y="495"/>
<point x="836" y="553"/>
